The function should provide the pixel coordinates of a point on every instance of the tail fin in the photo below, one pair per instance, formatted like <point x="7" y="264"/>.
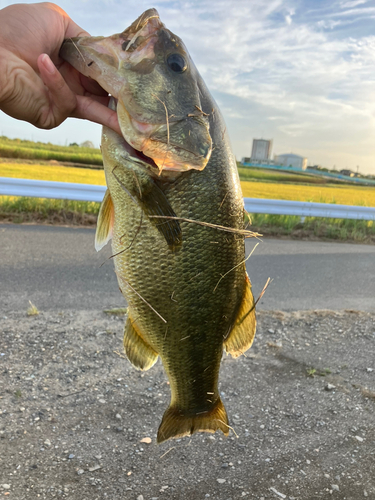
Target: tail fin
<point x="175" y="424"/>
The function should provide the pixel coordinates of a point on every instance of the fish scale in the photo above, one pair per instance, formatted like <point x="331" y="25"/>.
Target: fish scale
<point x="185" y="283"/>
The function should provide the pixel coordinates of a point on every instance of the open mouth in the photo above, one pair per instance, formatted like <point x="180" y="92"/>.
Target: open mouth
<point x="167" y="148"/>
<point x="134" y="153"/>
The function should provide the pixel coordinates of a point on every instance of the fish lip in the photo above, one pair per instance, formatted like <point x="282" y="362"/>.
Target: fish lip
<point x="150" y="19"/>
<point x="177" y="166"/>
<point x="132" y="152"/>
<point x="167" y="152"/>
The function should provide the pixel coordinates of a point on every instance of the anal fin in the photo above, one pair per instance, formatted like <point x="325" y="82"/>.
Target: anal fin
<point x="105" y="223"/>
<point x="176" y="424"/>
<point x="139" y="353"/>
<point x="243" y="332"/>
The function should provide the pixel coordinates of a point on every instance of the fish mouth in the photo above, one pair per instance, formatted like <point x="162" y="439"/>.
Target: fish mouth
<point x="172" y="145"/>
<point x="159" y="165"/>
<point x="132" y="152"/>
<point x="132" y="67"/>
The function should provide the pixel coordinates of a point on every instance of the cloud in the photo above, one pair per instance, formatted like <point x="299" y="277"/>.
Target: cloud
<point x="320" y="82"/>
<point x="300" y="72"/>
<point x="352" y="3"/>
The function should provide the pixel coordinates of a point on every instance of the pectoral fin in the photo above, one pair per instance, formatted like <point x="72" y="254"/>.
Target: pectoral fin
<point x="145" y="191"/>
<point x="139" y="353"/>
<point x="242" y="335"/>
<point x="104" y="226"/>
<point x="154" y="202"/>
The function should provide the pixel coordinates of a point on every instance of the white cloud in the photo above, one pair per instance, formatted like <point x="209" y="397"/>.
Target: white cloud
<point x="352" y="3"/>
<point x="304" y="77"/>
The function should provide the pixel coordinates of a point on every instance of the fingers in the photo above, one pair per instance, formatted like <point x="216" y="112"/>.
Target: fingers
<point x="72" y="29"/>
<point x="91" y="86"/>
<point x="97" y="111"/>
<point x="62" y="101"/>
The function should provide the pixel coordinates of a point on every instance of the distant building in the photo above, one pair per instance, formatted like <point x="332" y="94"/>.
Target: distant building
<point x="262" y="150"/>
<point x="291" y="160"/>
<point x="347" y="172"/>
<point x="87" y="144"/>
<point x="314" y="167"/>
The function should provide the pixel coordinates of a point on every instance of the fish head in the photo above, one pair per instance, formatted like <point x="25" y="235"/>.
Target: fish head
<point x="148" y="70"/>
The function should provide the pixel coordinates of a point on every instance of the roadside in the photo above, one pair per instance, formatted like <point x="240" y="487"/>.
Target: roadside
<point x="77" y="421"/>
<point x="63" y="213"/>
<point x="254" y="182"/>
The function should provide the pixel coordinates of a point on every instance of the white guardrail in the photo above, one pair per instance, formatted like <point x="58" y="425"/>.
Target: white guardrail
<point x="89" y="192"/>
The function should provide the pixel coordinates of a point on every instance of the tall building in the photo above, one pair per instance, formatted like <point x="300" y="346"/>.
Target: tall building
<point x="262" y="150"/>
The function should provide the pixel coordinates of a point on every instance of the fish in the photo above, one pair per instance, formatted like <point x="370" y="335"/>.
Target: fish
<point x="175" y="214"/>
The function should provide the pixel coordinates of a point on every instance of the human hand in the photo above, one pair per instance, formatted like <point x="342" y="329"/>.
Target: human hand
<point x="36" y="85"/>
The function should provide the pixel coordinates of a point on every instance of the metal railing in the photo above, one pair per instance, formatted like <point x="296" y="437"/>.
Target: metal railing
<point x="308" y="209"/>
<point x="49" y="189"/>
<point x="89" y="192"/>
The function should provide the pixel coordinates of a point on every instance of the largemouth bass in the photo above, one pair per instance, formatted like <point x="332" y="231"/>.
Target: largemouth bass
<point x="174" y="210"/>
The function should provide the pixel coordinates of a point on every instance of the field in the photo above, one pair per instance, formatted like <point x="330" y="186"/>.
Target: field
<point x="260" y="174"/>
<point x="17" y="148"/>
<point x="265" y="185"/>
<point x="52" y="173"/>
<point x="340" y="194"/>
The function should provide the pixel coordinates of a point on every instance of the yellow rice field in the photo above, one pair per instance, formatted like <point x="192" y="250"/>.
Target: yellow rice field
<point x="345" y="195"/>
<point x="342" y="195"/>
<point x="52" y="173"/>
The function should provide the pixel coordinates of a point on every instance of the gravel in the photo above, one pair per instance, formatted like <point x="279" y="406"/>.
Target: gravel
<point x="65" y="388"/>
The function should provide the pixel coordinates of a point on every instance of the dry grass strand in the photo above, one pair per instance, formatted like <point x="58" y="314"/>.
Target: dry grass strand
<point x="244" y="232"/>
<point x="145" y="301"/>
<point x="230" y="270"/>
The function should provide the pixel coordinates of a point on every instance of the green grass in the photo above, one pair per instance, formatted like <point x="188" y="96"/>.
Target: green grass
<point x="42" y="210"/>
<point x="360" y="231"/>
<point x="66" y="212"/>
<point x="28" y="150"/>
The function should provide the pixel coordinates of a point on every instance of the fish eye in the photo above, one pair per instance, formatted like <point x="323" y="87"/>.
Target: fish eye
<point x="177" y="63"/>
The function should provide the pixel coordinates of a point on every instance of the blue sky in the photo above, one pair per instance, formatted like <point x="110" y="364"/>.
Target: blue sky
<point x="299" y="72"/>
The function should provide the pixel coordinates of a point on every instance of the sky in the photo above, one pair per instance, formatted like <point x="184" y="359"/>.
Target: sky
<point x="300" y="72"/>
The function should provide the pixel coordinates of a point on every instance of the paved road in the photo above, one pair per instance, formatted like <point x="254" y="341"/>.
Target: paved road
<point x="57" y="268"/>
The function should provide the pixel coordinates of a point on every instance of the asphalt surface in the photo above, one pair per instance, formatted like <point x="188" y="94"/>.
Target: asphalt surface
<point x="78" y="421"/>
<point x="57" y="268"/>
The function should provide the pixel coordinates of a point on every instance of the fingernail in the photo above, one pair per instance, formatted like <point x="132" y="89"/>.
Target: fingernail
<point x="48" y="64"/>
